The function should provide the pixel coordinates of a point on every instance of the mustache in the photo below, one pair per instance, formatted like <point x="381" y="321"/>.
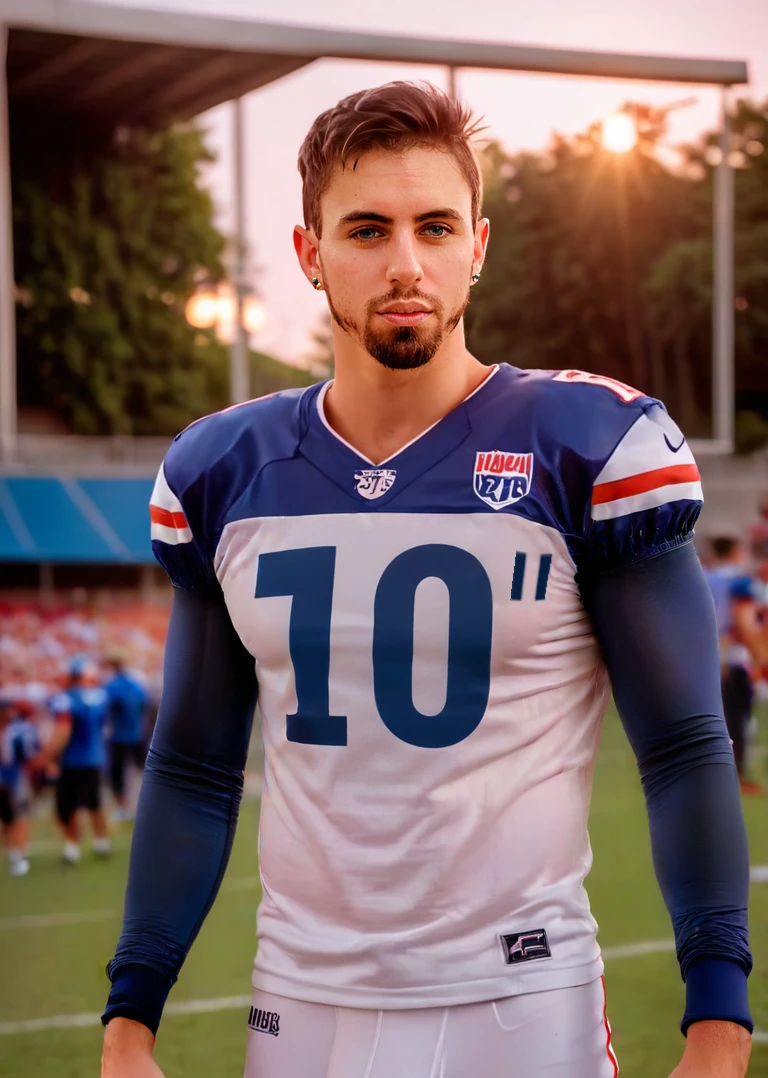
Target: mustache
<point x="403" y="295"/>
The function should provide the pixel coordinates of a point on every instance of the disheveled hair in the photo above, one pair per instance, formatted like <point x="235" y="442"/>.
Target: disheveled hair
<point x="397" y="116"/>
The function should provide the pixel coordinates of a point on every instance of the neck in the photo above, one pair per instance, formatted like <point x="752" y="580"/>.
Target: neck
<point x="378" y="411"/>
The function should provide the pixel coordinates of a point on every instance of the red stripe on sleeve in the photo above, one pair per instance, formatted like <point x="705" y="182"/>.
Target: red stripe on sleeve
<point x="166" y="517"/>
<point x="639" y="484"/>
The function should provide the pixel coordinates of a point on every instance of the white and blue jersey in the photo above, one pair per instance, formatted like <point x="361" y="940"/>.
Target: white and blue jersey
<point x="127" y="707"/>
<point x="429" y="681"/>
<point x="19" y="742"/>
<point x="87" y="708"/>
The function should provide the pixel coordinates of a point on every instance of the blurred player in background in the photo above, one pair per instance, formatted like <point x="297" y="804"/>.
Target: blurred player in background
<point x="743" y="642"/>
<point x="77" y="747"/>
<point x="414" y="566"/>
<point x="127" y="744"/>
<point x="18" y="745"/>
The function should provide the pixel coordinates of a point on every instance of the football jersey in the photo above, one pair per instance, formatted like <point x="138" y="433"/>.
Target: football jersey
<point x="430" y="685"/>
<point x="19" y="742"/>
<point x="87" y="708"/>
<point x="127" y="706"/>
<point x="730" y="585"/>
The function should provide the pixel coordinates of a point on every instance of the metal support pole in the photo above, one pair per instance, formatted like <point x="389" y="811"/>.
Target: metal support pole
<point x="723" y="388"/>
<point x="452" y="84"/>
<point x="239" y="373"/>
<point x="7" y="299"/>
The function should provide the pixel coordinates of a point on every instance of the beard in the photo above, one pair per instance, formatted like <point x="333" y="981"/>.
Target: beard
<point x="400" y="348"/>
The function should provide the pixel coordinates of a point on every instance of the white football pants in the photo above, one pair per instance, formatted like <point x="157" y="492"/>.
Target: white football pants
<point x="558" y="1034"/>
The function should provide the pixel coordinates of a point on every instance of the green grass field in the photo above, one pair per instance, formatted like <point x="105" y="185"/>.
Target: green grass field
<point x="55" y="969"/>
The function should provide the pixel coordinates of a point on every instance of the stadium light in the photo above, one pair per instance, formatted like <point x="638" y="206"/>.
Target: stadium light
<point x="619" y="133"/>
<point x="217" y="309"/>
<point x="201" y="310"/>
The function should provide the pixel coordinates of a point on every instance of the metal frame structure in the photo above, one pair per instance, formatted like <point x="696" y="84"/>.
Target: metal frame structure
<point x="228" y="57"/>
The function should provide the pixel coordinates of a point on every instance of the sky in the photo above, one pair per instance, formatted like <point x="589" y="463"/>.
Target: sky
<point x="522" y="110"/>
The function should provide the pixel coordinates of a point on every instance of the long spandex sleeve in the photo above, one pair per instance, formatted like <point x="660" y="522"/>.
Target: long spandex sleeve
<point x="656" y="623"/>
<point x="187" y="812"/>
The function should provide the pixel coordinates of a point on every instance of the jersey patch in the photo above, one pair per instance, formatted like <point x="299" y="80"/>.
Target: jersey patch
<point x="374" y="482"/>
<point x="525" y="946"/>
<point x="501" y="479"/>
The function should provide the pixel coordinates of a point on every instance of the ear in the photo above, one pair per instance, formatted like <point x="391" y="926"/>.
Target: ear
<point x="306" y="245"/>
<point x="482" y="232"/>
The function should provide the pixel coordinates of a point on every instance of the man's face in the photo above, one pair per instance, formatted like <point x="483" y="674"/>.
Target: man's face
<point x="397" y="252"/>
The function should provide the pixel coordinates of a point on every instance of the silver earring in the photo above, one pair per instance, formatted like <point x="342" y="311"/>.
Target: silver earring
<point x="475" y="278"/>
<point x="315" y="282"/>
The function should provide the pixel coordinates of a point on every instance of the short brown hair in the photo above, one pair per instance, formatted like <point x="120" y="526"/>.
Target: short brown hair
<point x="396" y="116"/>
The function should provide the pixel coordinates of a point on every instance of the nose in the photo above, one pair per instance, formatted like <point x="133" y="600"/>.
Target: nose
<point x="404" y="269"/>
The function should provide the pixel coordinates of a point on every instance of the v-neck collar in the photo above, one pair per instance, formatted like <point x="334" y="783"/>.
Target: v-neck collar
<point x="374" y="485"/>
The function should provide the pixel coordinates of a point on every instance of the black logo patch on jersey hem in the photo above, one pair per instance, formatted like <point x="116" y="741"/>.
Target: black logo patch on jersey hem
<point x="525" y="946"/>
<point x="262" y="1021"/>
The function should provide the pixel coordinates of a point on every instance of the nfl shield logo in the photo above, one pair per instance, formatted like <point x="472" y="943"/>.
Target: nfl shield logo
<point x="502" y="479"/>
<point x="373" y="482"/>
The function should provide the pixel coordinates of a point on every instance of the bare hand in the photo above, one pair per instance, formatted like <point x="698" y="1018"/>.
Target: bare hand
<point x="127" y="1051"/>
<point x="715" y="1050"/>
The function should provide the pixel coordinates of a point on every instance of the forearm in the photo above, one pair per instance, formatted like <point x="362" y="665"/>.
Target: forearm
<point x="188" y="807"/>
<point x="185" y="825"/>
<point x="700" y="855"/>
<point x="656" y="625"/>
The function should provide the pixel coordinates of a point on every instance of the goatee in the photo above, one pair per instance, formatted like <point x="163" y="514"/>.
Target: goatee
<point x="408" y="348"/>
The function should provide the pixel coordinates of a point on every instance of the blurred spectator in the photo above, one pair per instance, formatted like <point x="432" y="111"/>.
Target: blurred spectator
<point x="78" y="742"/>
<point x="18" y="744"/>
<point x="743" y="641"/>
<point x="127" y="741"/>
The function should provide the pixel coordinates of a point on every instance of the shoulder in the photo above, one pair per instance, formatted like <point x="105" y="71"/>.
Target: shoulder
<point x="210" y="463"/>
<point x="586" y="414"/>
<point x="247" y="435"/>
<point x="615" y="458"/>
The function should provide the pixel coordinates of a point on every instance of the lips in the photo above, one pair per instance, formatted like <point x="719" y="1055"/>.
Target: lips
<point x="405" y="318"/>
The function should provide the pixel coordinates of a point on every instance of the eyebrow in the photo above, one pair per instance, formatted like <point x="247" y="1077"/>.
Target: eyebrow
<point x="356" y="216"/>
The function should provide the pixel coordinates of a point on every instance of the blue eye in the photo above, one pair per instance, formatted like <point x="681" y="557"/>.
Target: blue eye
<point x="442" y="231"/>
<point x="368" y="233"/>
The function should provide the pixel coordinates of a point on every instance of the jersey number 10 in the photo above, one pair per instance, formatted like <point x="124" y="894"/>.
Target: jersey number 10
<point x="308" y="575"/>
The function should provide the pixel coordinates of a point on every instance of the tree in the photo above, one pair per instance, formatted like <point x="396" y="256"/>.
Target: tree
<point x="748" y="155"/>
<point x="269" y="375"/>
<point x="605" y="263"/>
<point x="112" y="231"/>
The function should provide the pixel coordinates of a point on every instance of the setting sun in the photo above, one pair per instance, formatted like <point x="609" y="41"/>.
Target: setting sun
<point x="619" y="133"/>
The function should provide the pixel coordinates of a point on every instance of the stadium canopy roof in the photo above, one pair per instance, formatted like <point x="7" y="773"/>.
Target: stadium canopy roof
<point x="132" y="64"/>
<point x="149" y="65"/>
<point x="69" y="520"/>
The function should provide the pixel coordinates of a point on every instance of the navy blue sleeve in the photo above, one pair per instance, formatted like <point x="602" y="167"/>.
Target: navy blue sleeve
<point x="656" y="624"/>
<point x="187" y="812"/>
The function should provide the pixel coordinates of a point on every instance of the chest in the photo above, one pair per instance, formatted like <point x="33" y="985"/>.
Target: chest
<point x="421" y="611"/>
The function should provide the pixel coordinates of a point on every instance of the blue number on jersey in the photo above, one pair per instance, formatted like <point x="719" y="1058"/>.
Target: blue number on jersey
<point x="470" y="626"/>
<point x="308" y="574"/>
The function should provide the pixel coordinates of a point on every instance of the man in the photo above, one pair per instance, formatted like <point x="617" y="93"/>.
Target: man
<point x="18" y="744"/>
<point x="404" y="556"/>
<point x="127" y="708"/>
<point x="77" y="746"/>
<point x="743" y="642"/>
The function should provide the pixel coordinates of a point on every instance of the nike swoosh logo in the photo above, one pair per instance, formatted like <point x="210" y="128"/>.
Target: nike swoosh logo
<point x="674" y="448"/>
